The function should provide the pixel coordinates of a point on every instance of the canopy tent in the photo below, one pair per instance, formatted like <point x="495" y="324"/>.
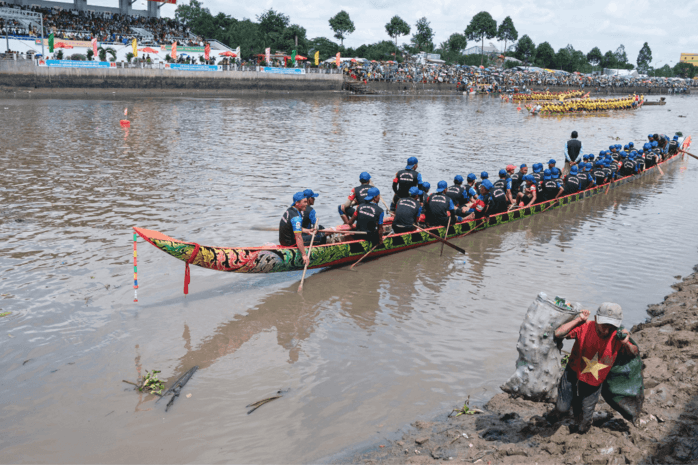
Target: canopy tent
<point x="148" y="50"/>
<point x="227" y="53"/>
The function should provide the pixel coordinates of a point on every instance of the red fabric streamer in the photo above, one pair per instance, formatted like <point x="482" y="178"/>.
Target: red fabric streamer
<point x="187" y="275"/>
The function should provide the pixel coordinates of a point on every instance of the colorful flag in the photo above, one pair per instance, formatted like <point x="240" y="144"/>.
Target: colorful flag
<point x="339" y="60"/>
<point x="50" y="43"/>
<point x="317" y="58"/>
<point x="267" y="52"/>
<point x="293" y="58"/>
<point x="207" y="51"/>
<point x="174" y="50"/>
<point x="135" y="47"/>
<point x="94" y="48"/>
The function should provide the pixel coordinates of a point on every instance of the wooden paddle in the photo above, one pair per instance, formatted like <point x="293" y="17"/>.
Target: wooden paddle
<point x="305" y="268"/>
<point x="366" y="255"/>
<point x="448" y="226"/>
<point x="689" y="154"/>
<point x="443" y="241"/>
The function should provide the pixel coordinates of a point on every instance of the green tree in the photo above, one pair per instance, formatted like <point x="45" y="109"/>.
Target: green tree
<point x="594" y="57"/>
<point x="397" y="27"/>
<point x="609" y="60"/>
<point x="644" y="58"/>
<point x="271" y="26"/>
<point x="563" y="58"/>
<point x="507" y="32"/>
<point x="525" y="49"/>
<point x="90" y="54"/>
<point x="294" y="38"/>
<point x="684" y="70"/>
<point x="451" y="50"/>
<point x="545" y="55"/>
<point x="325" y="46"/>
<point x="342" y="25"/>
<point x="481" y="26"/>
<point x="621" y="56"/>
<point x="423" y="37"/>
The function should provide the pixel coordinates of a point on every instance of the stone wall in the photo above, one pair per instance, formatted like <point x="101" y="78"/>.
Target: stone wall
<point x="22" y="75"/>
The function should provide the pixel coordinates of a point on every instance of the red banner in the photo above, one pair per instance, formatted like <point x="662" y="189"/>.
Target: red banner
<point x="94" y="47"/>
<point x="207" y="51"/>
<point x="173" y="2"/>
<point x="174" y="50"/>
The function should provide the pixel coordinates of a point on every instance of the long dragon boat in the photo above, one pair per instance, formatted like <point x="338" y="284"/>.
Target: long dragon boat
<point x="273" y="259"/>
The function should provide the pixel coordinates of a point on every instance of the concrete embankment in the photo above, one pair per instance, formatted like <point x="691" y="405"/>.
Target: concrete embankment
<point x="381" y="87"/>
<point x="510" y="431"/>
<point x="18" y="78"/>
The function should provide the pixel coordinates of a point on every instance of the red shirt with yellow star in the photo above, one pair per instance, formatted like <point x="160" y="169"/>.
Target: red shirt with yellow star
<point x="592" y="357"/>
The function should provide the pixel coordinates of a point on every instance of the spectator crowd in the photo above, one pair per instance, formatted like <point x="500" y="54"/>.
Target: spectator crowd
<point x="105" y="27"/>
<point x="517" y="79"/>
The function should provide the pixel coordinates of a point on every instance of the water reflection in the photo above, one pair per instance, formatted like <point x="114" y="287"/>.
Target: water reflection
<point x="403" y="336"/>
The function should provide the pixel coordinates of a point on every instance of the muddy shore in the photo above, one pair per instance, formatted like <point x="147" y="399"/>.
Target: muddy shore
<point x="508" y="432"/>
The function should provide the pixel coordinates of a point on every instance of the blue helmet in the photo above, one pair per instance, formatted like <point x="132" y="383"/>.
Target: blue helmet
<point x="472" y="177"/>
<point x="484" y="175"/>
<point x="441" y="186"/>
<point x="426" y="186"/>
<point x="372" y="193"/>
<point x="458" y="179"/>
<point x="487" y="184"/>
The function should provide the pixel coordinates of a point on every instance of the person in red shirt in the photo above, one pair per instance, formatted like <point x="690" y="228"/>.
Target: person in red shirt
<point x="594" y="353"/>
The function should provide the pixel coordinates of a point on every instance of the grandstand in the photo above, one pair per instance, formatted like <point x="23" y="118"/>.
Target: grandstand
<point x="78" y="23"/>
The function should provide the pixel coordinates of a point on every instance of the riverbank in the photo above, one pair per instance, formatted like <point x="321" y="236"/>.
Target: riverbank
<point x="508" y="432"/>
<point x="25" y="78"/>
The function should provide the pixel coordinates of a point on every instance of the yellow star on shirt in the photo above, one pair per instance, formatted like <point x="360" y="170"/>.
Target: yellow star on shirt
<point x="593" y="366"/>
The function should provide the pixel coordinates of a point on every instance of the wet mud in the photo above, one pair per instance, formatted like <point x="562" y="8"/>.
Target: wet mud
<point x="511" y="431"/>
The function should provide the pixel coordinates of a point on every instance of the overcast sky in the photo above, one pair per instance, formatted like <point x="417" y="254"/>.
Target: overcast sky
<point x="668" y="26"/>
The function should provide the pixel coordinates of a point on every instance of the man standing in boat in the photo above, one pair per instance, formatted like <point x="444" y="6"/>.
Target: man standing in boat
<point x="573" y="148"/>
<point x="291" y="225"/>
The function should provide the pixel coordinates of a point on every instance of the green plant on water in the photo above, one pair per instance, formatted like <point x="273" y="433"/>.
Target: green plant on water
<point x="151" y="384"/>
<point x="466" y="410"/>
<point x="4" y="314"/>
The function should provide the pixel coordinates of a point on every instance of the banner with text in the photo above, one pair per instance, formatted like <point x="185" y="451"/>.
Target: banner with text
<point x="76" y="64"/>
<point x="72" y="43"/>
<point x="185" y="67"/>
<point x="182" y="48"/>
<point x="267" y="69"/>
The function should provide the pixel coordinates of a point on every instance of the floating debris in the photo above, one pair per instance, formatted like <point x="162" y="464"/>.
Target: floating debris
<point x="5" y="314"/>
<point x="149" y="383"/>
<point x="176" y="388"/>
<point x="259" y="403"/>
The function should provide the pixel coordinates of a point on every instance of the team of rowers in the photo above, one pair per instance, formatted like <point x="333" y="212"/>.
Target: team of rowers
<point x="548" y="95"/>
<point x="468" y="198"/>
<point x="587" y="104"/>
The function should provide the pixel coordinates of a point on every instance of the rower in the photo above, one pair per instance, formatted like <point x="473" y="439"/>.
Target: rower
<point x="517" y="180"/>
<point x="572" y="181"/>
<point x="529" y="192"/>
<point x="407" y="212"/>
<point x="674" y="146"/>
<point x="310" y="218"/>
<point x="639" y="161"/>
<point x="439" y="207"/>
<point x="290" y="227"/>
<point x="591" y="182"/>
<point x="627" y="167"/>
<point x="425" y="191"/>
<point x="599" y="174"/>
<point x="356" y="197"/>
<point x="607" y="170"/>
<point x="551" y="188"/>
<point x="404" y="179"/>
<point x="484" y="175"/>
<point x="369" y="216"/>
<point x="504" y="183"/>
<point x="456" y="192"/>
<point x="573" y="148"/>
<point x="583" y="178"/>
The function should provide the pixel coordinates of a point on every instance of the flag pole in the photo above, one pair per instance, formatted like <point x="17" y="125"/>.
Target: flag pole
<point x="135" y="269"/>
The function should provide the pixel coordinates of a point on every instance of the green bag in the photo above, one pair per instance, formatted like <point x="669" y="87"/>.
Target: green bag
<point x="624" y="389"/>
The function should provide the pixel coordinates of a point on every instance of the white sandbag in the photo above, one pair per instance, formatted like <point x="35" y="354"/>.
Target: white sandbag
<point x="539" y="366"/>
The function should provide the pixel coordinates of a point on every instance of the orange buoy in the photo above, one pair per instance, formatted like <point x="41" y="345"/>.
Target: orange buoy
<point x="125" y="123"/>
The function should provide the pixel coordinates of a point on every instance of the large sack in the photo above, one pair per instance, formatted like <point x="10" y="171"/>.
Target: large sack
<point x="539" y="366"/>
<point x="624" y="389"/>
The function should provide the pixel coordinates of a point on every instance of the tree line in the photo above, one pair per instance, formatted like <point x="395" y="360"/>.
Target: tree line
<point x="273" y="29"/>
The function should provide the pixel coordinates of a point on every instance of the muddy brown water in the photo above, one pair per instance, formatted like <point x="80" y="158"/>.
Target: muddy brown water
<point x="364" y="353"/>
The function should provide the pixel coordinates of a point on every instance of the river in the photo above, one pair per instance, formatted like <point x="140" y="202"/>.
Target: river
<point x="363" y="353"/>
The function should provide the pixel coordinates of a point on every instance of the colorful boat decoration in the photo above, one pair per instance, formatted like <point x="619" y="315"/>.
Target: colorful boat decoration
<point x="275" y="258"/>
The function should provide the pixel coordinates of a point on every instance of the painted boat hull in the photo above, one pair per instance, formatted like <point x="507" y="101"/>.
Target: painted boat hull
<point x="280" y="259"/>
